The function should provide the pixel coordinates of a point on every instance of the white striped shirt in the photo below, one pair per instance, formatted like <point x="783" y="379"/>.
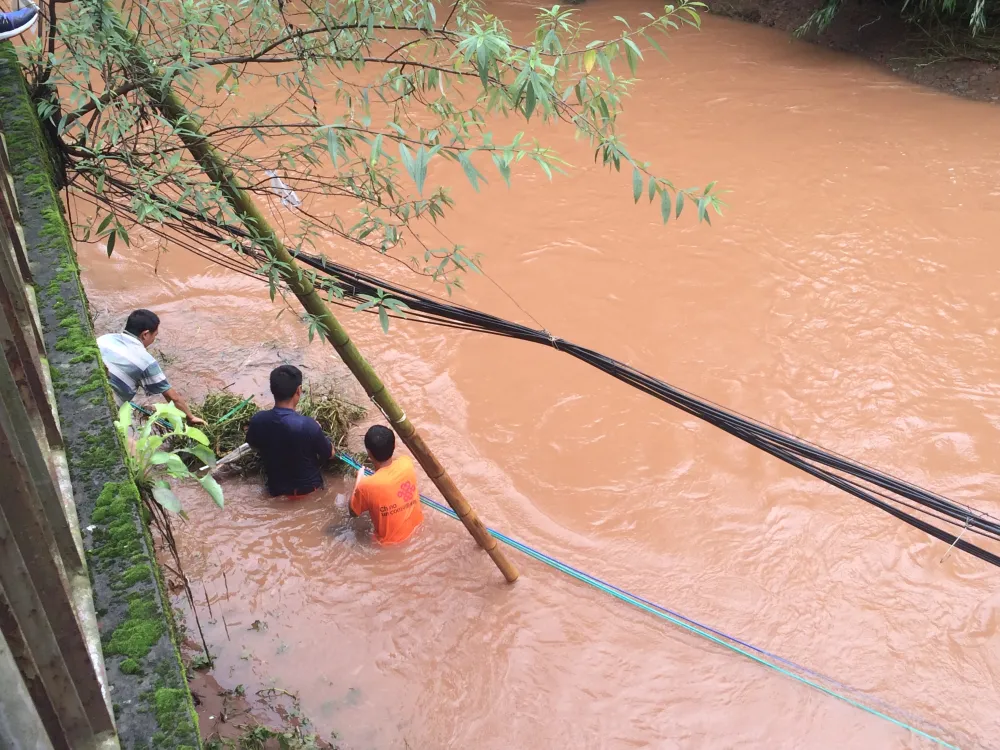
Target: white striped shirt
<point x="129" y="365"/>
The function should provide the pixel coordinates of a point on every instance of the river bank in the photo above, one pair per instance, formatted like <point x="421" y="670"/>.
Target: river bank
<point x="947" y="60"/>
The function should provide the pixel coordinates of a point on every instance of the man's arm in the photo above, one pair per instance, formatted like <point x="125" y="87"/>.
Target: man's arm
<point x="322" y="444"/>
<point x="171" y="394"/>
<point x="356" y="505"/>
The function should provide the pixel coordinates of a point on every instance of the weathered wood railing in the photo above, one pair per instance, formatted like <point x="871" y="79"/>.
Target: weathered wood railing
<point x="54" y="690"/>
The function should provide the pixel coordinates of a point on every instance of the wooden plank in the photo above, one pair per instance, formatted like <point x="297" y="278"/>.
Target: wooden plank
<point x="11" y="632"/>
<point x="28" y="453"/>
<point x="10" y="213"/>
<point x="17" y="331"/>
<point x="38" y="591"/>
<point x="30" y="615"/>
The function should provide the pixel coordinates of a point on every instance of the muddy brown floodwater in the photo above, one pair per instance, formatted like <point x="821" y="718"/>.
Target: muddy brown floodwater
<point x="850" y="296"/>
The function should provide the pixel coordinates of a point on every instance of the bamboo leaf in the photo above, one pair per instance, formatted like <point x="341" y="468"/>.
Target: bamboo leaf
<point x="408" y="162"/>
<point x="589" y="58"/>
<point x="680" y="203"/>
<point x="104" y="224"/>
<point x="636" y="184"/>
<point x="652" y="189"/>
<point x="473" y="174"/>
<point x="665" y="206"/>
<point x="111" y="242"/>
<point x="383" y="318"/>
<point x="334" y="146"/>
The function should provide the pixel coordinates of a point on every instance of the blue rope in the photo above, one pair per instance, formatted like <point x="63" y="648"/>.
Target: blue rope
<point x="755" y="653"/>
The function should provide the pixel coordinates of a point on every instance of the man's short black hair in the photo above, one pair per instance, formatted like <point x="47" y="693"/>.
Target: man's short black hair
<point x="380" y="442"/>
<point x="285" y="380"/>
<point x="142" y="320"/>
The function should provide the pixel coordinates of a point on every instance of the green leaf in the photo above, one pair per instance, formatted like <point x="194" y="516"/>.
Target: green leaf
<point x="503" y="166"/>
<point x="334" y="146"/>
<point x="213" y="489"/>
<point x="170" y="413"/>
<point x="589" y="58"/>
<point x="633" y="46"/>
<point x="197" y="435"/>
<point x="383" y="318"/>
<point x="652" y="189"/>
<point x="473" y="174"/>
<point x="665" y="206"/>
<point x="680" y="203"/>
<point x="111" y="242"/>
<point x="205" y="455"/>
<point x="104" y="224"/>
<point x="124" y="420"/>
<point x="165" y="497"/>
<point x="422" y="158"/>
<point x="529" y="100"/>
<point x="636" y="184"/>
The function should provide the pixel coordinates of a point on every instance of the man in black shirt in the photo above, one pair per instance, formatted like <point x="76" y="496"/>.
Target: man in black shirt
<point x="292" y="446"/>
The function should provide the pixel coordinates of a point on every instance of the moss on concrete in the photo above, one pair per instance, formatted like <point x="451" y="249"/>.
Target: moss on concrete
<point x="141" y="630"/>
<point x="134" y="616"/>
<point x="130" y="666"/>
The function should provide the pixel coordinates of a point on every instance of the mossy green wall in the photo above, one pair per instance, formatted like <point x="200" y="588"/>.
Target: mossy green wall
<point x="152" y="703"/>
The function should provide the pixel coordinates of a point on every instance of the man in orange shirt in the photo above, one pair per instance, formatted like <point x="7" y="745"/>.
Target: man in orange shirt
<point x="389" y="495"/>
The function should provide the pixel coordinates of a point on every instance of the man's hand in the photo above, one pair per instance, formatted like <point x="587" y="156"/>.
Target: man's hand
<point x="192" y="419"/>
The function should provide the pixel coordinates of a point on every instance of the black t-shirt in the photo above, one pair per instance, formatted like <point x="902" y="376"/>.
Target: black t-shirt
<point x="293" y="448"/>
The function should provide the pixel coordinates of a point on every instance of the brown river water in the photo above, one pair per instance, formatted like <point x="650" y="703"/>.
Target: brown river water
<point x="850" y="296"/>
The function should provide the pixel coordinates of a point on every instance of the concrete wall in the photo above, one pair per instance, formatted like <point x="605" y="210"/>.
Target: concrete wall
<point x="149" y="691"/>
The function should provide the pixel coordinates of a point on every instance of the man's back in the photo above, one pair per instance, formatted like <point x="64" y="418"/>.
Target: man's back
<point x="293" y="449"/>
<point x="129" y="366"/>
<point x="391" y="498"/>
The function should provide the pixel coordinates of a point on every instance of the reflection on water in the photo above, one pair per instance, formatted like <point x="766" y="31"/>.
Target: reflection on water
<point x="849" y="296"/>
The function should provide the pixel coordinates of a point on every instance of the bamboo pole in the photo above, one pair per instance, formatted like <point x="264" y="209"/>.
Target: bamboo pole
<point x="189" y="130"/>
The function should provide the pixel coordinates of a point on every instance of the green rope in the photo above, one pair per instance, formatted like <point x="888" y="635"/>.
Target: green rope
<point x="229" y="414"/>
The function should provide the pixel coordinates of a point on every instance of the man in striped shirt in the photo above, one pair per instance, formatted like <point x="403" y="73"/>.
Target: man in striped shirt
<point x="129" y="365"/>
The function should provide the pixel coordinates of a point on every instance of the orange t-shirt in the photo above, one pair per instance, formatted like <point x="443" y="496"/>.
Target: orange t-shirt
<point x="390" y="496"/>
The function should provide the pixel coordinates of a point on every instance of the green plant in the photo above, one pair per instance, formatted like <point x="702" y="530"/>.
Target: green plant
<point x="201" y="661"/>
<point x="976" y="13"/>
<point x="378" y="98"/>
<point x="151" y="457"/>
<point x="226" y="429"/>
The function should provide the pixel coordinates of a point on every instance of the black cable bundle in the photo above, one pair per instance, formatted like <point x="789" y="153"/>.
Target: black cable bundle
<point x="882" y="490"/>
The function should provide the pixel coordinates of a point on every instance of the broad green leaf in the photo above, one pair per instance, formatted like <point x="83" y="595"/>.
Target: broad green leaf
<point x="160" y="457"/>
<point x="205" y="455"/>
<point x="636" y="184"/>
<point x="213" y="488"/>
<point x="124" y="420"/>
<point x="171" y="414"/>
<point x="195" y="434"/>
<point x="165" y="497"/>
